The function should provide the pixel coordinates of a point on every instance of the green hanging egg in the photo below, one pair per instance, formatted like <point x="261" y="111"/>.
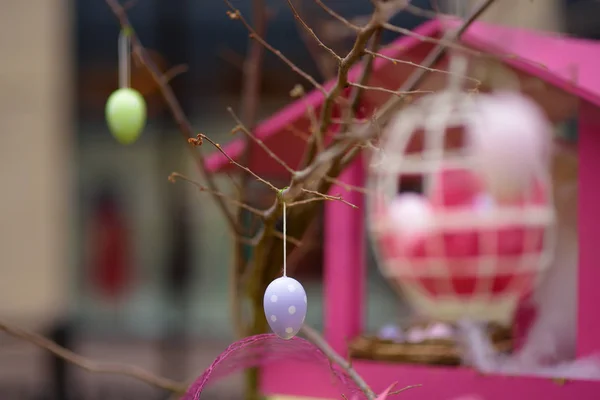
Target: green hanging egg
<point x="126" y="115"/>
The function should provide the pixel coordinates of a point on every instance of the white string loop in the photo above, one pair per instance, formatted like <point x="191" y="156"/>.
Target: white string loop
<point x="124" y="60"/>
<point x="284" y="241"/>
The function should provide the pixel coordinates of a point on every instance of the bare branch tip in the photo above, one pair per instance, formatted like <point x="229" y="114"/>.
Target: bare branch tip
<point x="197" y="141"/>
<point x="233" y="15"/>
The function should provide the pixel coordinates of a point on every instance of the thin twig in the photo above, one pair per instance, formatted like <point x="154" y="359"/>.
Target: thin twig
<point x="292" y="240"/>
<point x="298" y="133"/>
<point x="428" y="39"/>
<point x="325" y="64"/>
<point x="176" y="175"/>
<point x="240" y="166"/>
<point x="241" y="127"/>
<point x="236" y="14"/>
<point x="305" y="201"/>
<point x="93" y="366"/>
<point x="390" y="91"/>
<point x="417" y="65"/>
<point x="254" y="241"/>
<point x="312" y="33"/>
<point x="329" y="197"/>
<point x="316" y="339"/>
<point x="298" y="92"/>
<point x="357" y="121"/>
<point x="404" y="389"/>
<point x="174" y="72"/>
<point x="338" y="16"/>
<point x="420" y="12"/>
<point x="346" y="186"/>
<point x="367" y="68"/>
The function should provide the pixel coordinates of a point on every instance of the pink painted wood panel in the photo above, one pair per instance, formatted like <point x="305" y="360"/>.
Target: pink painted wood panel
<point x="565" y="62"/>
<point x="344" y="283"/>
<point x="588" y="336"/>
<point x="438" y="383"/>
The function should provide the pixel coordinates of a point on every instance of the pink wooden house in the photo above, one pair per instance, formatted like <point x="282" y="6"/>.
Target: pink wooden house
<point x="562" y="75"/>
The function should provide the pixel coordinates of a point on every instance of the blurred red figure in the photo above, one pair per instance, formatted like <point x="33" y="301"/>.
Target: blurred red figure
<point x="109" y="248"/>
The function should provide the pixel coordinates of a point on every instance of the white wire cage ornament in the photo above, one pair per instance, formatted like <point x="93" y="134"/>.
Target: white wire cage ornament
<point x="479" y="236"/>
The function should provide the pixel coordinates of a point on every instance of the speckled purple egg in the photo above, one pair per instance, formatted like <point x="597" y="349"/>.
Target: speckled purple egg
<point x="285" y="306"/>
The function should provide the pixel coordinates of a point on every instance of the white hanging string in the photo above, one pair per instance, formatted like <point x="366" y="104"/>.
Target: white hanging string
<point x="284" y="241"/>
<point x="458" y="60"/>
<point x="124" y="60"/>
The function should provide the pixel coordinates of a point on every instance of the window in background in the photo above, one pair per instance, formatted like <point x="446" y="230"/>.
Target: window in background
<point x="581" y="18"/>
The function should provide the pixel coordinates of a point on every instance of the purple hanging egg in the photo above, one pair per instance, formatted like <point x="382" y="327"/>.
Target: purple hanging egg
<point x="285" y="306"/>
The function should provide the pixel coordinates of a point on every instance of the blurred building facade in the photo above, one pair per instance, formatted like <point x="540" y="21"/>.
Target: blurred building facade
<point x="544" y="15"/>
<point x="36" y="169"/>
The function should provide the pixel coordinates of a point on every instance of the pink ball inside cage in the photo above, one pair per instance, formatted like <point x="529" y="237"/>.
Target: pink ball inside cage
<point x="471" y="255"/>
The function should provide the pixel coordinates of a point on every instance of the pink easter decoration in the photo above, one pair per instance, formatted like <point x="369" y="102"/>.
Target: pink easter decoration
<point x="460" y="250"/>
<point x="510" y="140"/>
<point x="411" y="218"/>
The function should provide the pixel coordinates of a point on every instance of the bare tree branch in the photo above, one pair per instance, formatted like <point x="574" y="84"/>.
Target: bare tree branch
<point x="325" y="63"/>
<point x="417" y="65"/>
<point x="201" y="137"/>
<point x="241" y="127"/>
<point x="328" y="197"/>
<point x="312" y="33"/>
<point x="93" y="366"/>
<point x="367" y="68"/>
<point x="175" y="176"/>
<point x="337" y="16"/>
<point x="235" y="14"/>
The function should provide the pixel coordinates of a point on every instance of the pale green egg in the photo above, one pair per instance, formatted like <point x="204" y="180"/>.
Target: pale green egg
<point x="126" y="115"/>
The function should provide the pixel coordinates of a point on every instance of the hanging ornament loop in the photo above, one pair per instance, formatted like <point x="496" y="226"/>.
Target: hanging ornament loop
<point x="458" y="60"/>
<point x="284" y="241"/>
<point x="125" y="108"/>
<point x="281" y="198"/>
<point x="124" y="59"/>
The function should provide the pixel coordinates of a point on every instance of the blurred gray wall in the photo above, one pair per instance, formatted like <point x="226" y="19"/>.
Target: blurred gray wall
<point x="532" y="14"/>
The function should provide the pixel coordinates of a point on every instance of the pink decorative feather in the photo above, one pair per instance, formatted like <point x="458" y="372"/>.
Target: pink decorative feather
<point x="259" y="350"/>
